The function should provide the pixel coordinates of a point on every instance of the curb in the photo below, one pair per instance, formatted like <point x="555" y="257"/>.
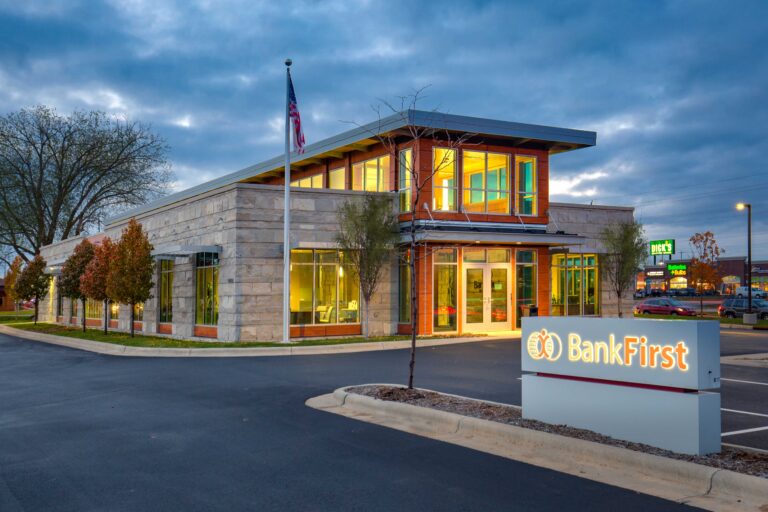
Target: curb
<point x="125" y="350"/>
<point x="753" y="360"/>
<point x="704" y="486"/>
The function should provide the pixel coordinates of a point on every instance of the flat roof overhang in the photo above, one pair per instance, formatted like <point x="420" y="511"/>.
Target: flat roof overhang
<point x="554" y="139"/>
<point x="468" y="237"/>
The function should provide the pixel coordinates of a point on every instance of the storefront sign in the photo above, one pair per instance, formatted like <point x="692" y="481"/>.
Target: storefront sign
<point x="654" y="273"/>
<point x="662" y="247"/>
<point x="633" y="379"/>
<point x="677" y="269"/>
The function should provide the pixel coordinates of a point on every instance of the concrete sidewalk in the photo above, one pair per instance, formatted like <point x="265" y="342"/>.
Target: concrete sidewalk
<point x="125" y="350"/>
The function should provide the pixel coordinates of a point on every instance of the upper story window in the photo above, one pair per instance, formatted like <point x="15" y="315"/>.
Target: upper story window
<point x="371" y="175"/>
<point x="486" y="182"/>
<point x="444" y="180"/>
<point x="526" y="202"/>
<point x="337" y="179"/>
<point x="405" y="172"/>
<point x="315" y="181"/>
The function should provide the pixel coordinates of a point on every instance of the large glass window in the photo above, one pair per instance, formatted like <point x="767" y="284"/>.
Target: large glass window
<point x="324" y="288"/>
<point x="114" y="310"/>
<point x="138" y="312"/>
<point x="94" y="308"/>
<point x="486" y="182"/>
<point x="527" y="195"/>
<point x="525" y="272"/>
<point x="404" y="295"/>
<point x="337" y="179"/>
<point x="73" y="304"/>
<point x="444" y="180"/>
<point x="405" y="172"/>
<point x="166" y="291"/>
<point x="575" y="285"/>
<point x="371" y="175"/>
<point x="207" y="289"/>
<point x="315" y="181"/>
<point x="444" y="290"/>
<point x="59" y="301"/>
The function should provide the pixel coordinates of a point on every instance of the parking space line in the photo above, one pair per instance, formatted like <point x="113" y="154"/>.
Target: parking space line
<point x="745" y="381"/>
<point x="745" y="412"/>
<point x="745" y="431"/>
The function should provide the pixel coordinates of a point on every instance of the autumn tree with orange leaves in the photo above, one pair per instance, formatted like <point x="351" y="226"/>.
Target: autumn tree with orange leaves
<point x="131" y="268"/>
<point x="704" y="271"/>
<point x="33" y="282"/>
<point x="73" y="270"/>
<point x="93" y="282"/>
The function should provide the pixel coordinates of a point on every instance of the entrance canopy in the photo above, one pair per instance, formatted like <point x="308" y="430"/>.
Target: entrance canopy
<point x="498" y="237"/>
<point x="173" y="251"/>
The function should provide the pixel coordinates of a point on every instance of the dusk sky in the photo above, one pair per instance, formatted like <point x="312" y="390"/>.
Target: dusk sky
<point x="677" y="91"/>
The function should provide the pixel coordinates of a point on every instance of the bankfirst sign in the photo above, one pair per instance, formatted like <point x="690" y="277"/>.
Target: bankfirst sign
<point x="669" y="353"/>
<point x="623" y="377"/>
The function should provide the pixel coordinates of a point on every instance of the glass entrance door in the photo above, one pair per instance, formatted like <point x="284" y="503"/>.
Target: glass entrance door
<point x="486" y="297"/>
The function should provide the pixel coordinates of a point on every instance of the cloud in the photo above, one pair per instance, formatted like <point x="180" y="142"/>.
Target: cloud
<point x="676" y="95"/>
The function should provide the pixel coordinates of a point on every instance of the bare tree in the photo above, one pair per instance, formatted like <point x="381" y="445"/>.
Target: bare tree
<point x="704" y="268"/>
<point x="412" y="182"/>
<point x="60" y="175"/>
<point x="625" y="250"/>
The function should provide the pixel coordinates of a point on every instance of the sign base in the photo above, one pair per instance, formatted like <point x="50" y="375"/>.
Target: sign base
<point x="684" y="422"/>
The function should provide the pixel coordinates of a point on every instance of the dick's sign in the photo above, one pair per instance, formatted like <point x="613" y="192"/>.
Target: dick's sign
<point x="637" y="380"/>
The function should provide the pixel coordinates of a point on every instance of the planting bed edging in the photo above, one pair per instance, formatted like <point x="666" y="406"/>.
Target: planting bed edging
<point x="685" y="482"/>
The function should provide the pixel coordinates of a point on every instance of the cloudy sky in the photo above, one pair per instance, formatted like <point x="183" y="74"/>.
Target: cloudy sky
<point x="676" y="90"/>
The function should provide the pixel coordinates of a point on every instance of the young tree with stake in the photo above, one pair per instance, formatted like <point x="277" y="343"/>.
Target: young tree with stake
<point x="33" y="282"/>
<point x="703" y="270"/>
<point x="415" y="177"/>
<point x="368" y="234"/>
<point x="131" y="269"/>
<point x="93" y="282"/>
<point x="73" y="270"/>
<point x="625" y="250"/>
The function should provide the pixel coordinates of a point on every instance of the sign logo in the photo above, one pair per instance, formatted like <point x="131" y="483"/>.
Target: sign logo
<point x="544" y="345"/>
<point x="662" y="247"/>
<point x="677" y="269"/>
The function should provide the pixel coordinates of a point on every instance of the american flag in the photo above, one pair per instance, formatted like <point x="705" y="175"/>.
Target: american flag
<point x="293" y="113"/>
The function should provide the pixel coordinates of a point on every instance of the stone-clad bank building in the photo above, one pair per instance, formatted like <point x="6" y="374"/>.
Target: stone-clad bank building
<point x="490" y="241"/>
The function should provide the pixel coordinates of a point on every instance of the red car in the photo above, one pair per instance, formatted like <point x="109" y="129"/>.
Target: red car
<point x="664" y="306"/>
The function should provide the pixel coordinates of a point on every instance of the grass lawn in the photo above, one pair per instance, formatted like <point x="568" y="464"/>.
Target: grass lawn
<point x="25" y="315"/>
<point x="140" y="340"/>
<point x="760" y="323"/>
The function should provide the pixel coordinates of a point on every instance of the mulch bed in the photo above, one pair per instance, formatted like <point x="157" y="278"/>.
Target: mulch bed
<point x="733" y="459"/>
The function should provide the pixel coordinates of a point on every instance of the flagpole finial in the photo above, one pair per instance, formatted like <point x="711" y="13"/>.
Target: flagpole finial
<point x="288" y="62"/>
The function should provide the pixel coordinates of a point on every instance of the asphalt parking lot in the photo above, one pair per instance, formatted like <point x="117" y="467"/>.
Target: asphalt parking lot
<point x="82" y="431"/>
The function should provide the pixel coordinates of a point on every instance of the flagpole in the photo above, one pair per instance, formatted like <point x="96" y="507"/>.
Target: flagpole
<point x="287" y="214"/>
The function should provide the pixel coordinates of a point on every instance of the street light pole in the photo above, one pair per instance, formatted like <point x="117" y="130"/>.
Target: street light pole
<point x="748" y="206"/>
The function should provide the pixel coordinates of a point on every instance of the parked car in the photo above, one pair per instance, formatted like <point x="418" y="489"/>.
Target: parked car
<point x="732" y="308"/>
<point x="664" y="306"/>
<point x="757" y="293"/>
<point x="639" y="294"/>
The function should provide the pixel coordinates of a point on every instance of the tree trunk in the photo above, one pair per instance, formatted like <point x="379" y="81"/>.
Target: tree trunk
<point x="106" y="315"/>
<point x="82" y="301"/>
<point x="366" y="317"/>
<point x="132" y="312"/>
<point x="36" y="306"/>
<point x="414" y="302"/>
<point x="618" y="297"/>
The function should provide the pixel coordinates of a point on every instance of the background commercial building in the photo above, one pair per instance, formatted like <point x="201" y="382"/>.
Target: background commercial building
<point x="490" y="241"/>
<point x="675" y="275"/>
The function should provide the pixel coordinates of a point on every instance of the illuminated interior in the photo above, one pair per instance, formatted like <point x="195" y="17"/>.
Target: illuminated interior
<point x="525" y="276"/>
<point x="337" y="179"/>
<point x="444" y="180"/>
<point x="207" y="288"/>
<point x="371" y="175"/>
<point x="575" y="285"/>
<point x="485" y="182"/>
<point x="315" y="181"/>
<point x="444" y="290"/>
<point x="405" y="169"/>
<point x="94" y="309"/>
<point x="404" y="290"/>
<point x="527" y="200"/>
<point x="324" y="288"/>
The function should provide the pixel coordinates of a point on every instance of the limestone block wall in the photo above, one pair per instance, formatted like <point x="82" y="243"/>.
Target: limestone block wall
<point x="258" y="287"/>
<point x="590" y="221"/>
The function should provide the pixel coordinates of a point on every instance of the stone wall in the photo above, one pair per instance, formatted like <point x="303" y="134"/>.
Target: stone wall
<point x="589" y="221"/>
<point x="246" y="221"/>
